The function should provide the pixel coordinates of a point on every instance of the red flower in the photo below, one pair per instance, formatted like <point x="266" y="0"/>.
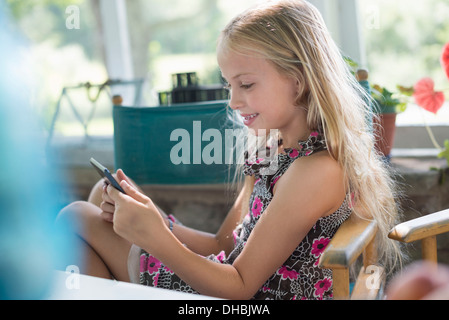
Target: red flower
<point x="426" y="97"/>
<point x="257" y="207"/>
<point x="445" y="59"/>
<point x="153" y="265"/>
<point x="322" y="286"/>
<point x="287" y="272"/>
<point x="319" y="245"/>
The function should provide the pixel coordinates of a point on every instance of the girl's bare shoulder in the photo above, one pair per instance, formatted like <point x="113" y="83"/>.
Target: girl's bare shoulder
<point x="317" y="178"/>
<point x="318" y="166"/>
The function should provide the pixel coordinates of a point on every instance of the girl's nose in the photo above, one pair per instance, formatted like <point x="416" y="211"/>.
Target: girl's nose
<point x="234" y="101"/>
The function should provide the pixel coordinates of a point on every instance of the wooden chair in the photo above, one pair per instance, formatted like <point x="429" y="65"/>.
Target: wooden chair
<point x="353" y="239"/>
<point x="425" y="229"/>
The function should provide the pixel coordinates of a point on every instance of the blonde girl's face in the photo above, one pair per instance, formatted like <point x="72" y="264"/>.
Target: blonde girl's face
<point x="261" y="94"/>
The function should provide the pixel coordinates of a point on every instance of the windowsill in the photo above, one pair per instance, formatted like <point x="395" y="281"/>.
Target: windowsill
<point x="414" y="140"/>
<point x="414" y="152"/>
<point x="75" y="151"/>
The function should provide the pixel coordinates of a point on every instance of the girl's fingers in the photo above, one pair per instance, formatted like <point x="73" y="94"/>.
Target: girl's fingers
<point x="122" y="176"/>
<point x="105" y="196"/>
<point x="107" y="207"/>
<point x="115" y="194"/>
<point x="107" y="216"/>
<point x="133" y="192"/>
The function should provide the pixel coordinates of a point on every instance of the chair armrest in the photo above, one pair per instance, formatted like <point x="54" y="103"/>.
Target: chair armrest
<point x="348" y="243"/>
<point x="422" y="227"/>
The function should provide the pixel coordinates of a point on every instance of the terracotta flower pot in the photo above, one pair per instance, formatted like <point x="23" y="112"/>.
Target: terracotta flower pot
<point x="385" y="129"/>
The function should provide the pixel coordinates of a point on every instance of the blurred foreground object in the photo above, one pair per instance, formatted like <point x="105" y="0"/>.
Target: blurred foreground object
<point x="29" y="243"/>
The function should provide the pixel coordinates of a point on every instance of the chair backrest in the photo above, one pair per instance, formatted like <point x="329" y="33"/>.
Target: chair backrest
<point x="178" y="144"/>
<point x="424" y="229"/>
<point x="354" y="238"/>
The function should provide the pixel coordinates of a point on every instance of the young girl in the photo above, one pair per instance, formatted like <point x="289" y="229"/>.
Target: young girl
<point x="284" y="73"/>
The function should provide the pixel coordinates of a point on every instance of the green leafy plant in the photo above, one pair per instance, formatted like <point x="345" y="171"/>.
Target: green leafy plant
<point x="387" y="101"/>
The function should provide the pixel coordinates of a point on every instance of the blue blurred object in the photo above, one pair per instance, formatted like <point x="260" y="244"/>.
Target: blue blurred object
<point x="29" y="243"/>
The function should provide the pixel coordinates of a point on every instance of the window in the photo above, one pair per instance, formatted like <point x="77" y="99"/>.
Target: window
<point x="403" y="43"/>
<point x="175" y="36"/>
<point x="166" y="36"/>
<point x="62" y="53"/>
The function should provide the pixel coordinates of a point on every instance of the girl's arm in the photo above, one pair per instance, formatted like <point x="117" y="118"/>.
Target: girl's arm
<point x="309" y="190"/>
<point x="204" y="243"/>
<point x="200" y="242"/>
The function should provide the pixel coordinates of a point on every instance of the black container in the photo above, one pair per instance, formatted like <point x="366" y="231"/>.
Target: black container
<point x="187" y="90"/>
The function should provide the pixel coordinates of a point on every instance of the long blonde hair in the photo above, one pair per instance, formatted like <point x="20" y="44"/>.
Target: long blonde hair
<point x="293" y="36"/>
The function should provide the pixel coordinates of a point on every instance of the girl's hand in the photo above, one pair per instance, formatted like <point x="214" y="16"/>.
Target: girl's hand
<point x="108" y="205"/>
<point x="136" y="218"/>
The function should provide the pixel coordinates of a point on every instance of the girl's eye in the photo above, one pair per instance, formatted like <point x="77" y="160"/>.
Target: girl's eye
<point x="243" y="86"/>
<point x="246" y="86"/>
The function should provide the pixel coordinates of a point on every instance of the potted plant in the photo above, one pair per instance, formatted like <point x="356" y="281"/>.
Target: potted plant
<point x="386" y="106"/>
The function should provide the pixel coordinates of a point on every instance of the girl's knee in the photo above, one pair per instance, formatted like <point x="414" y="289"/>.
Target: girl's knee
<point x="73" y="213"/>
<point x="72" y="208"/>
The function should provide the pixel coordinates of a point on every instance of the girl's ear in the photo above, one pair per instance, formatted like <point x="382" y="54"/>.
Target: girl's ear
<point x="302" y="91"/>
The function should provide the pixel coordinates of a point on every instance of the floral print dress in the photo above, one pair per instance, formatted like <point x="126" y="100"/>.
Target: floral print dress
<point x="299" y="277"/>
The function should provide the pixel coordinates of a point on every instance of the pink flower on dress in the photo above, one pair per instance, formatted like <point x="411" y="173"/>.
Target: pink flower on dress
<point x="257" y="207"/>
<point x="274" y="181"/>
<point x="221" y="256"/>
<point x="168" y="270"/>
<point x="319" y="245"/>
<point x="286" y="272"/>
<point x="156" y="279"/>
<point x="153" y="264"/>
<point x="321" y="287"/>
<point x="294" y="153"/>
<point x="314" y="134"/>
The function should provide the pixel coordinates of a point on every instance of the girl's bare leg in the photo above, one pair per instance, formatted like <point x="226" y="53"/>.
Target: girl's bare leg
<point x="101" y="252"/>
<point x="95" y="193"/>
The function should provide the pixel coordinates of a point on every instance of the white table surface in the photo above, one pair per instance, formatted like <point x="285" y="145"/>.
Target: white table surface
<point x="69" y="286"/>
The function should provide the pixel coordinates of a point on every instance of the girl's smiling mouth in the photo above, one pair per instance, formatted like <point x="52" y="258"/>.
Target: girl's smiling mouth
<point x="249" y="118"/>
